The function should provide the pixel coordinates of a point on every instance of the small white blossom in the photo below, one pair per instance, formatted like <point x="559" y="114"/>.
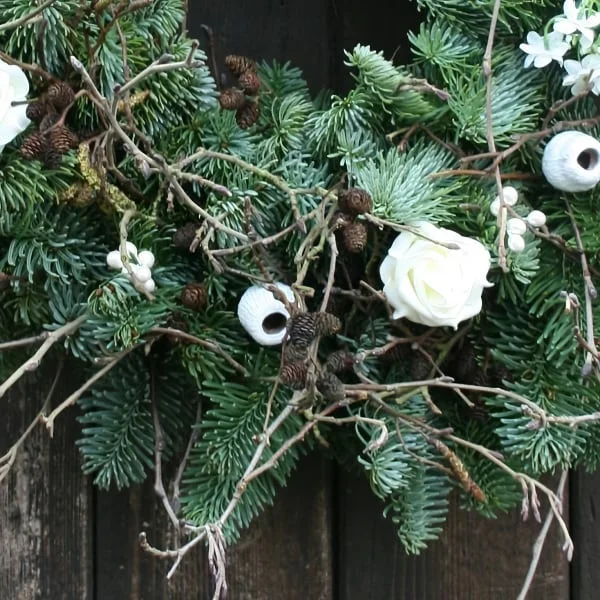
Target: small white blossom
<point x="584" y="75"/>
<point x="542" y="51"/>
<point x="574" y="20"/>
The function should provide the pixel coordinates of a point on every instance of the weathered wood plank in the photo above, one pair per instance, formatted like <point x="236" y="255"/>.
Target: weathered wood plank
<point x="585" y="504"/>
<point x="288" y="550"/>
<point x="46" y="523"/>
<point x="475" y="557"/>
<point x="285" y="30"/>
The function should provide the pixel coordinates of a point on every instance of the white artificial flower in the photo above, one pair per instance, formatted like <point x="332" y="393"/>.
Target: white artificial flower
<point x="542" y="51"/>
<point x="433" y="284"/>
<point x="14" y="87"/>
<point x="574" y="20"/>
<point x="583" y="75"/>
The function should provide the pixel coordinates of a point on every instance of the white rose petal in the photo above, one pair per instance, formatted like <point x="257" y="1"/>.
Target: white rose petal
<point x="516" y="243"/>
<point x="536" y="218"/>
<point x="113" y="260"/>
<point x="146" y="258"/>
<point x="14" y="87"/>
<point x="430" y="283"/>
<point x="516" y="226"/>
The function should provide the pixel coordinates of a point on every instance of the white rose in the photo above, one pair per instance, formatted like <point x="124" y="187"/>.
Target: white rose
<point x="431" y="284"/>
<point x="14" y="87"/>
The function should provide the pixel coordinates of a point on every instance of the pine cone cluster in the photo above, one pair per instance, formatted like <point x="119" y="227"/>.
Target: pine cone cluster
<point x="52" y="138"/>
<point x="239" y="98"/>
<point x="354" y="202"/>
<point x="185" y="235"/>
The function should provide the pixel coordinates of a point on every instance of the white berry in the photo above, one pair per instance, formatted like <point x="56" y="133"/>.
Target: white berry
<point x="150" y="285"/>
<point x="510" y="195"/>
<point x="142" y="273"/>
<point x="131" y="249"/>
<point x="536" y="218"/>
<point x="113" y="260"/>
<point x="495" y="206"/>
<point x="146" y="258"/>
<point x="516" y="226"/>
<point x="516" y="243"/>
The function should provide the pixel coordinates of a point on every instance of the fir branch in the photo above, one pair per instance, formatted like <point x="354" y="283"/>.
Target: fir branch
<point x="33" y="363"/>
<point x="27" y="18"/>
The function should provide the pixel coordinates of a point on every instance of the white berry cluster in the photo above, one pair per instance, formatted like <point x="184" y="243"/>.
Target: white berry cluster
<point x="516" y="226"/>
<point x="141" y="264"/>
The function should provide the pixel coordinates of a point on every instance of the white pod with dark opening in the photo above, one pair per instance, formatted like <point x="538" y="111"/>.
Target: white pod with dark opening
<point x="263" y="316"/>
<point x="571" y="161"/>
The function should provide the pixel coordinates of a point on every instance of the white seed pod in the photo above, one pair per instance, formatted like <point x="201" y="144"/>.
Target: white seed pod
<point x="511" y="195"/>
<point x="146" y="258"/>
<point x="495" y="206"/>
<point x="263" y="316"/>
<point x="516" y="242"/>
<point x="150" y="285"/>
<point x="571" y="161"/>
<point x="516" y="226"/>
<point x="142" y="273"/>
<point x="131" y="249"/>
<point x="536" y="218"/>
<point x="113" y="260"/>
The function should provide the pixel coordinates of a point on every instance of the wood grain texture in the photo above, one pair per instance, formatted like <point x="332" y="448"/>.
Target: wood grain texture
<point x="286" y="553"/>
<point x="585" y="507"/>
<point x="45" y="504"/>
<point x="475" y="559"/>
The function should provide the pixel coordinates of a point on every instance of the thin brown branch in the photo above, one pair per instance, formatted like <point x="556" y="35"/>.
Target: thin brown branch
<point x="26" y="18"/>
<point x="24" y="341"/>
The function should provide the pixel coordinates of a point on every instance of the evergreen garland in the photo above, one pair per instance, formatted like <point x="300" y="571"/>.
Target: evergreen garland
<point x="226" y="198"/>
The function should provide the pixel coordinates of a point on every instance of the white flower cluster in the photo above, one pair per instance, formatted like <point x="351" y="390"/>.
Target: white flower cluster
<point x="516" y="226"/>
<point x="573" y="29"/>
<point x="14" y="88"/>
<point x="141" y="264"/>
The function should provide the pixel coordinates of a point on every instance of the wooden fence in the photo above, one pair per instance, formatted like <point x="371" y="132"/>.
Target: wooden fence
<point x="325" y="538"/>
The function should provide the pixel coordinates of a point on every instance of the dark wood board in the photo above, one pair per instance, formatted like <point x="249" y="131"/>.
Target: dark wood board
<point x="288" y="548"/>
<point x="46" y="518"/>
<point x="475" y="559"/>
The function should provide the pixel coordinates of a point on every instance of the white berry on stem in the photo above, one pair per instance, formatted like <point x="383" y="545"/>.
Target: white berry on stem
<point x="516" y="242"/>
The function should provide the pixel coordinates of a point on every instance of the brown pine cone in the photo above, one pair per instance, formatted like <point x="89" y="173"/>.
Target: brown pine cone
<point x="51" y="157"/>
<point x="294" y="374"/>
<point x="194" y="296"/>
<point x="36" y="111"/>
<point x="293" y="353"/>
<point x="232" y="99"/>
<point x="60" y="95"/>
<point x="420" y="367"/>
<point x="33" y="146"/>
<point x="327" y="324"/>
<point x="50" y="119"/>
<point x="185" y="235"/>
<point x="249" y="81"/>
<point x="339" y="361"/>
<point x="355" y="237"/>
<point x="247" y="115"/>
<point x="237" y="64"/>
<point x="62" y="139"/>
<point x="356" y="201"/>
<point x="331" y="387"/>
<point x="302" y="330"/>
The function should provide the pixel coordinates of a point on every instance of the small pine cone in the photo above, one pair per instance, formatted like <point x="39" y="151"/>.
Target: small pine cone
<point x="33" y="146"/>
<point x="331" y="387"/>
<point x="249" y="81"/>
<point x="62" y="139"/>
<point x="355" y="237"/>
<point x="339" y="361"/>
<point x="327" y="324"/>
<point x="194" y="296"/>
<point x="294" y="374"/>
<point x="419" y="367"/>
<point x="293" y="353"/>
<point x="247" y="115"/>
<point x="50" y="118"/>
<point x="60" y="95"/>
<point x="237" y="64"/>
<point x="185" y="235"/>
<point x="36" y="111"/>
<point x="356" y="201"/>
<point x="302" y="330"/>
<point x="232" y="99"/>
<point x="51" y="157"/>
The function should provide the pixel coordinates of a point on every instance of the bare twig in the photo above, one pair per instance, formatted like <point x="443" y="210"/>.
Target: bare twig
<point x="34" y="362"/>
<point x="24" y="341"/>
<point x="331" y="275"/>
<point x="26" y="18"/>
